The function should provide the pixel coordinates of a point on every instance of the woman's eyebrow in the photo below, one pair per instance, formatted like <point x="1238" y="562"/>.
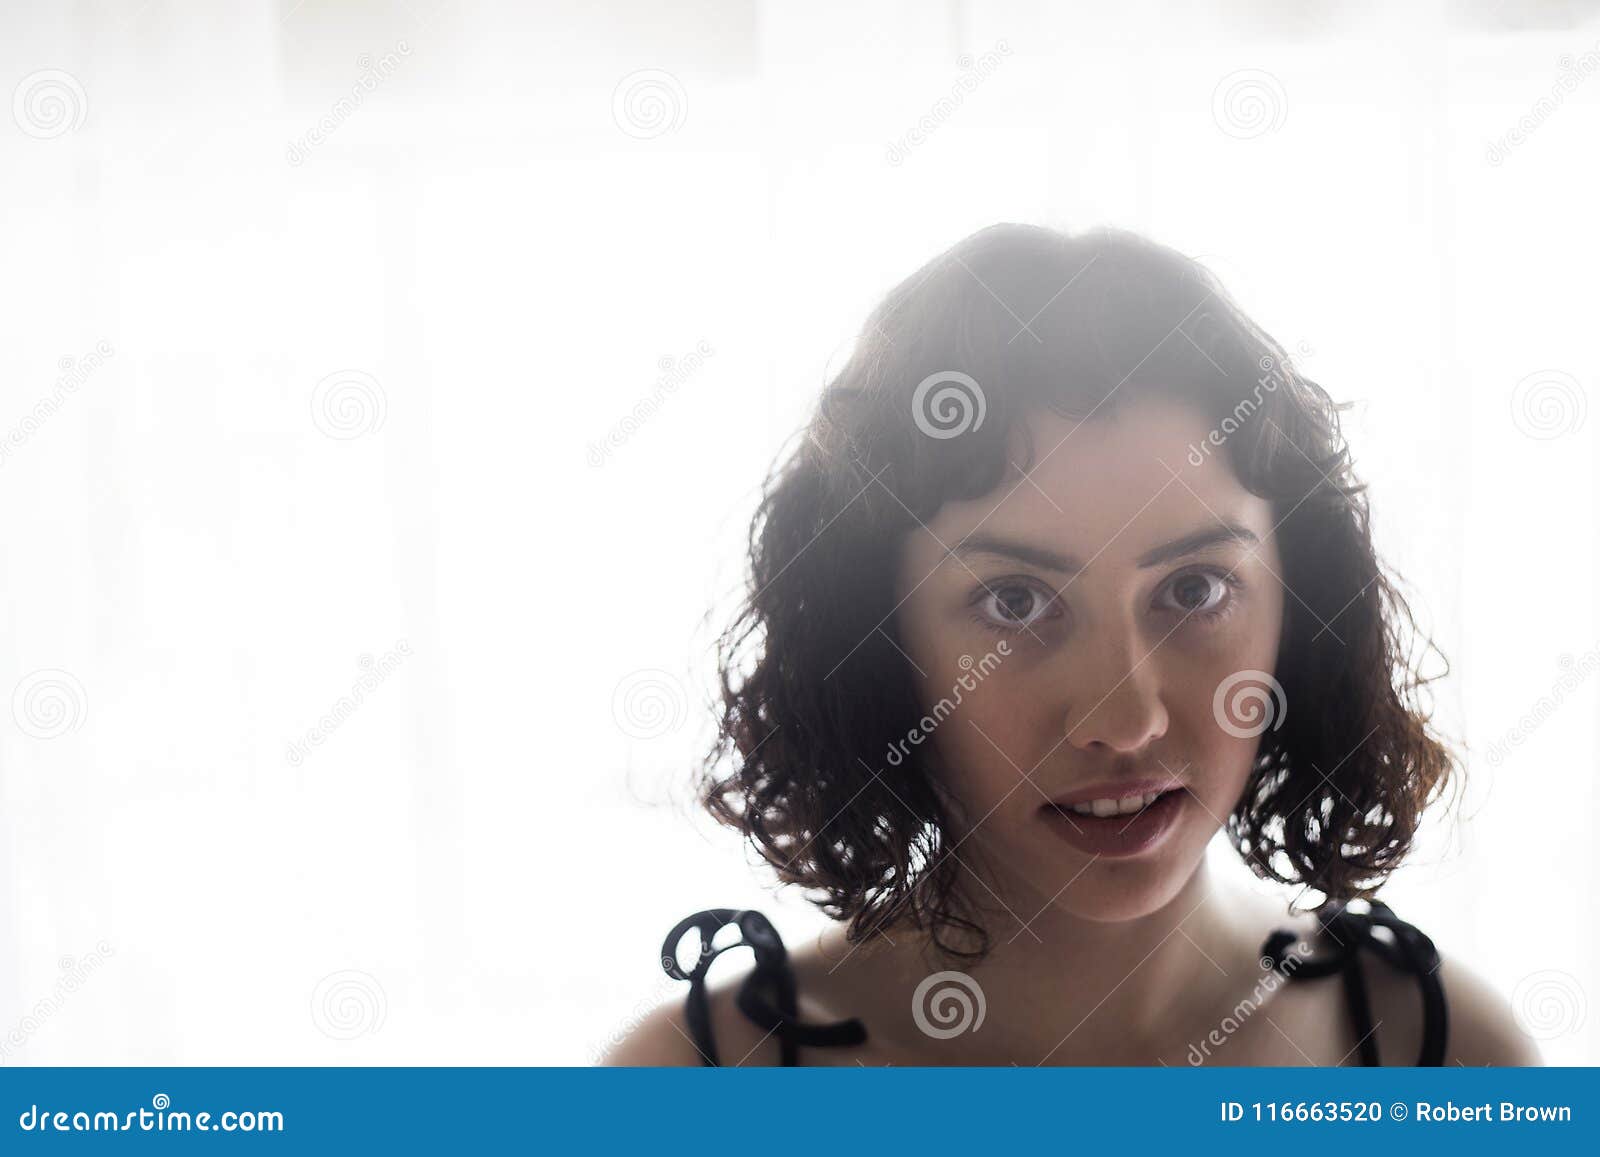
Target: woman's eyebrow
<point x="1198" y="541"/>
<point x="999" y="546"/>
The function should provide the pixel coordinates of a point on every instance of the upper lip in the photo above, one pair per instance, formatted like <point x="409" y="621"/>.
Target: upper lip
<point x="1117" y="789"/>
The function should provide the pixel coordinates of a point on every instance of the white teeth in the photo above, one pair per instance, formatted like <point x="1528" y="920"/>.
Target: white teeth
<point x="1113" y="807"/>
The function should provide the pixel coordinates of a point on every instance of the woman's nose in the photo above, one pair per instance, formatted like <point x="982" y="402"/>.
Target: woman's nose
<point x="1114" y="699"/>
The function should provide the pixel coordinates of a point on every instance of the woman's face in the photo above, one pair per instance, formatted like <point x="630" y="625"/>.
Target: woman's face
<point x="1091" y="630"/>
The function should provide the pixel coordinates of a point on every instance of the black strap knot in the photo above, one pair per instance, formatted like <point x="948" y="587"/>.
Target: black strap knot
<point x="1347" y="930"/>
<point x="767" y="997"/>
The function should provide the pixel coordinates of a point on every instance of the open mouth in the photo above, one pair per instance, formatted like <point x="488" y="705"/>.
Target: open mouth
<point x="1117" y="826"/>
<point x="1110" y="808"/>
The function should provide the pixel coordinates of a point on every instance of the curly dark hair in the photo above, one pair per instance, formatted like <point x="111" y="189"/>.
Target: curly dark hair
<point x="814" y="685"/>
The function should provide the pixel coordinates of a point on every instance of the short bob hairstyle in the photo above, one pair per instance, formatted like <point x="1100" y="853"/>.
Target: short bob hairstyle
<point x="814" y="688"/>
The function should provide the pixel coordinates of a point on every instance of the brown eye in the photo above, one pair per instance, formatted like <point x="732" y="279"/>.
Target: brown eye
<point x="1014" y="604"/>
<point x="1198" y="592"/>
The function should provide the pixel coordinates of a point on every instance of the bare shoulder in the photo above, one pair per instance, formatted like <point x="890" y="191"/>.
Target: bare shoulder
<point x="1483" y="1030"/>
<point x="1480" y="1027"/>
<point x="663" y="1037"/>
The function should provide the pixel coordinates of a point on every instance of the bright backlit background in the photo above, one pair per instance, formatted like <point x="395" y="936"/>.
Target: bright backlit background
<point x="323" y="331"/>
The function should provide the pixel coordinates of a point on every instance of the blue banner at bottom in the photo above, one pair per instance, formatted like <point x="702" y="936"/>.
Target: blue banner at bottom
<point x="659" y="1111"/>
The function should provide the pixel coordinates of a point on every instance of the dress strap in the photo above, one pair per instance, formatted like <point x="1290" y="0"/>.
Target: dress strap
<point x="767" y="995"/>
<point x="1405" y="948"/>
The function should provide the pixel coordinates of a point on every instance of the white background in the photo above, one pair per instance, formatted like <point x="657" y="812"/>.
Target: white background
<point x="478" y="865"/>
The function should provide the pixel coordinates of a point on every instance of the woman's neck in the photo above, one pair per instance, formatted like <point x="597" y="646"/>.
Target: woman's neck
<point x="1065" y="990"/>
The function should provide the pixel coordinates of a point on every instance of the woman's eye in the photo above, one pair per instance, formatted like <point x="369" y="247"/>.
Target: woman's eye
<point x="1198" y="592"/>
<point x="1016" y="605"/>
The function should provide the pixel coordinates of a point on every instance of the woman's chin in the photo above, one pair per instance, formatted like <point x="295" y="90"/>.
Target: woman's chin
<point x="1113" y="892"/>
<point x="1120" y="906"/>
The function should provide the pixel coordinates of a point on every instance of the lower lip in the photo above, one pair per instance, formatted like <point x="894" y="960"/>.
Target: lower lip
<point x="1124" y="835"/>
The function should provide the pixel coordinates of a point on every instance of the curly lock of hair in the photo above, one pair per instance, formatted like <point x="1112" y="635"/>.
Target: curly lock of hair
<point x="814" y="685"/>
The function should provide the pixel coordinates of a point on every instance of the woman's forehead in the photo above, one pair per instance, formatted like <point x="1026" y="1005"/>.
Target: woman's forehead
<point x="1115" y="485"/>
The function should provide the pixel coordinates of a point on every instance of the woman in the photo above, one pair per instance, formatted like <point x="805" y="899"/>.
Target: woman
<point x="1071" y="572"/>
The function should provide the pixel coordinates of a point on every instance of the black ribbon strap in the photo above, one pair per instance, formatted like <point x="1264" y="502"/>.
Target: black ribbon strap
<point x="1405" y="948"/>
<point x="767" y="996"/>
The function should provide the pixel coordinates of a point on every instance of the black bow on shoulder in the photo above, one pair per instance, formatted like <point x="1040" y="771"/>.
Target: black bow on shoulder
<point x="1405" y="948"/>
<point x="767" y="996"/>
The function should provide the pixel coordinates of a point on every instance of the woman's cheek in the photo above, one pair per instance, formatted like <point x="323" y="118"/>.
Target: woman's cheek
<point x="992" y="739"/>
<point x="1222" y="715"/>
